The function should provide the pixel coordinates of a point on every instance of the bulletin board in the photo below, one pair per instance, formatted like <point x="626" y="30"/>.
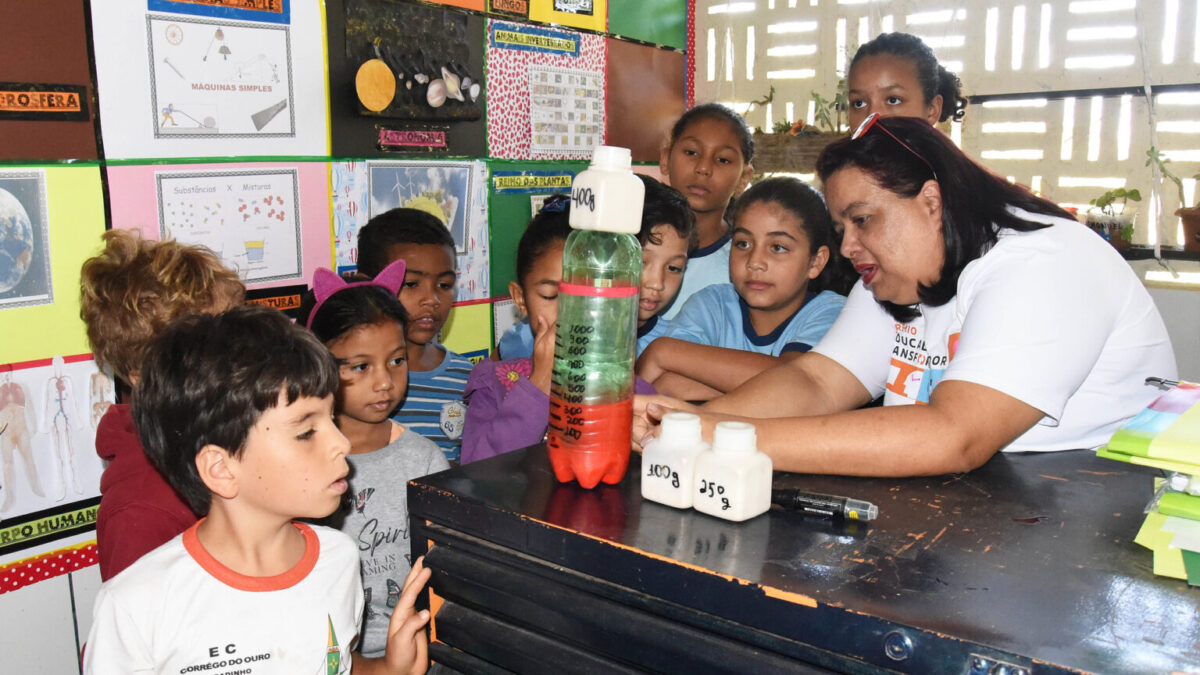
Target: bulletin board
<point x="50" y="389"/>
<point x="188" y="83"/>
<point x="46" y="93"/>
<point x="550" y="85"/>
<point x="512" y="189"/>
<point x="453" y="190"/>
<point x="433" y="59"/>
<point x="267" y="221"/>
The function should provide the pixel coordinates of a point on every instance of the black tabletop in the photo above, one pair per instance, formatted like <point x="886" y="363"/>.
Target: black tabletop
<point x="1031" y="555"/>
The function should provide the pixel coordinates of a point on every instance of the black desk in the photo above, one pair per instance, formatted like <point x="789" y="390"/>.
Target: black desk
<point x="1028" y="561"/>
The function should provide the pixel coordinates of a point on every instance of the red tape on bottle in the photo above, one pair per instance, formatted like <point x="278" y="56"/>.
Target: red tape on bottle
<point x="598" y="291"/>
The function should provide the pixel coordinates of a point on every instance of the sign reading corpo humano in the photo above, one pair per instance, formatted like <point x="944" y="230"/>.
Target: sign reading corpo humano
<point x="28" y="101"/>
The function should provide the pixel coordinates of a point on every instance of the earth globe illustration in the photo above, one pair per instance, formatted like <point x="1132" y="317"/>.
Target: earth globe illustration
<point x="16" y="241"/>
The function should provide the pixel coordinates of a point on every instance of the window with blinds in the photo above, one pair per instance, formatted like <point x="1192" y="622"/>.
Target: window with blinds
<point x="1058" y="88"/>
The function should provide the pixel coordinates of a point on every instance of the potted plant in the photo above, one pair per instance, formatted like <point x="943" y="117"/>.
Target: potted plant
<point x="1189" y="215"/>
<point x="793" y="146"/>
<point x="1111" y="217"/>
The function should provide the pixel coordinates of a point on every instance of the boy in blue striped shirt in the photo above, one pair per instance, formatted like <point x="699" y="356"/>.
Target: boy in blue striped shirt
<point x="436" y="376"/>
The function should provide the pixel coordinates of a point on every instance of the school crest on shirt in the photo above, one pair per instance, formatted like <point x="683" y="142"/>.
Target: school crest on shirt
<point x="454" y="417"/>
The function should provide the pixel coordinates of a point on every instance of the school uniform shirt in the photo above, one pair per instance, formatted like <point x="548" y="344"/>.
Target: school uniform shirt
<point x="654" y="328"/>
<point x="717" y="316"/>
<point x="706" y="266"/>
<point x="179" y="610"/>
<point x="1054" y="318"/>
<point x="434" y="404"/>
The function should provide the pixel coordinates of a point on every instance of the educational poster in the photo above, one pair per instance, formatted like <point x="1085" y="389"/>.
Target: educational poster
<point x="49" y="470"/>
<point x="586" y="14"/>
<point x="186" y="79"/>
<point x="517" y="53"/>
<point x="566" y="111"/>
<point x="219" y="78"/>
<point x="250" y="218"/>
<point x="455" y="192"/>
<point x="73" y="216"/>
<point x="45" y="109"/>
<point x="24" y="240"/>
<point x="269" y="222"/>
<point x="515" y="192"/>
<point x="509" y="8"/>
<point x="406" y="78"/>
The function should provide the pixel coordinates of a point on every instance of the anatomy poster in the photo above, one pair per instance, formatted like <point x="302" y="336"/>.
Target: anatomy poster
<point x="268" y="222"/>
<point x="49" y="470"/>
<point x="250" y="218"/>
<point x="24" y="241"/>
<point x="524" y="59"/>
<point x="175" y="81"/>
<point x="454" y="191"/>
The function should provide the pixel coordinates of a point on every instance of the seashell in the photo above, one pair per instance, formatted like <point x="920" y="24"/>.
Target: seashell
<point x="408" y="84"/>
<point x="467" y="82"/>
<point x="421" y="78"/>
<point x="475" y="89"/>
<point x="453" y="86"/>
<point x="436" y="95"/>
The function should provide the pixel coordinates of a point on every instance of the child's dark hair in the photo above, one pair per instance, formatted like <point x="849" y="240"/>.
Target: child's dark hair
<point x="398" y="226"/>
<point x="808" y="205"/>
<point x="550" y="225"/>
<point x="716" y="111"/>
<point x="664" y="205"/>
<point x="353" y="307"/>
<point x="934" y="77"/>
<point x="208" y="378"/>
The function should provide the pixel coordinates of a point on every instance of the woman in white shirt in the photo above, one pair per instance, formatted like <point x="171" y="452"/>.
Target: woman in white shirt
<point x="985" y="316"/>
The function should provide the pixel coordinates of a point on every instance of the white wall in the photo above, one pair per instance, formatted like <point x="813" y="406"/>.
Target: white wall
<point x="44" y="623"/>
<point x="1181" y="312"/>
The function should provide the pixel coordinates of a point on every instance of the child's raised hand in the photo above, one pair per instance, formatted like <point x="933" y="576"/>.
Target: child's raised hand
<point x="543" y="353"/>
<point x="407" y="646"/>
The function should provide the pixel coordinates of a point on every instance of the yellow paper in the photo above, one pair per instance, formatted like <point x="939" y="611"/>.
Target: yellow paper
<point x="597" y="20"/>
<point x="1168" y="562"/>
<point x="469" y="328"/>
<point x="1181" y="440"/>
<point x="75" y="213"/>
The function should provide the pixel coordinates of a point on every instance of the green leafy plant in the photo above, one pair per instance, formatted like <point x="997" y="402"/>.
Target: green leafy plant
<point x="1106" y="201"/>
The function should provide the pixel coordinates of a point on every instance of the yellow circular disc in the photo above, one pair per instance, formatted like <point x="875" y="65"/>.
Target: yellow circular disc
<point x="375" y="85"/>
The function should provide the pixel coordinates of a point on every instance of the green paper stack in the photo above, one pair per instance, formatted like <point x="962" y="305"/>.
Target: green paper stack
<point x="1166" y="435"/>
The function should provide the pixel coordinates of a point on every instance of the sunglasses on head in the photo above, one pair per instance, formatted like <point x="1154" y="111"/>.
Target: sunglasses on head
<point x="872" y="122"/>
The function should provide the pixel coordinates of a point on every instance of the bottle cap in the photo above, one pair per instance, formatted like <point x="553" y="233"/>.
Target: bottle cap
<point x="734" y="438"/>
<point x="680" y="429"/>
<point x="611" y="158"/>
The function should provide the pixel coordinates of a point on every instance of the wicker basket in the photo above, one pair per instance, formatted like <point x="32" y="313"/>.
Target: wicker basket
<point x="789" y="154"/>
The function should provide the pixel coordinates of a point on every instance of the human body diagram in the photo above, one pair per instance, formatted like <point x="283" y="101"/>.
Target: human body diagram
<point x="61" y="417"/>
<point x="17" y="425"/>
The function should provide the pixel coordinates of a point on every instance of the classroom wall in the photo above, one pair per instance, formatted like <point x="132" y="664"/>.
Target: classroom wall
<point x="280" y="108"/>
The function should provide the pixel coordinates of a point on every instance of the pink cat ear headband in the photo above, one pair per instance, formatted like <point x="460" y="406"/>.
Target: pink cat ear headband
<point x="326" y="283"/>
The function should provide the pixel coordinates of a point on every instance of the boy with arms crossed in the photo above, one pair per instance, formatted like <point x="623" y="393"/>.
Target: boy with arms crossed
<point x="236" y="411"/>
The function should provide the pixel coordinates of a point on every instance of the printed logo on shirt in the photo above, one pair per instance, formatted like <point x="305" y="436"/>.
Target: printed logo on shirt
<point x="360" y="500"/>
<point x="454" y="417"/>
<point x="914" y="370"/>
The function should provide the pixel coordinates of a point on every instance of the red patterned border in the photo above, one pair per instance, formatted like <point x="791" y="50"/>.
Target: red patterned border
<point x="690" y="56"/>
<point x="46" y="566"/>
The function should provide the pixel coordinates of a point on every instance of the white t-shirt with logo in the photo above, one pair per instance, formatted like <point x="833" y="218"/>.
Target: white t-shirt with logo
<point x="1054" y="318"/>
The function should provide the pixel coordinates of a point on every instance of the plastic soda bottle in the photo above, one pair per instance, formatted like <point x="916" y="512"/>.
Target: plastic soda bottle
<point x="591" y="389"/>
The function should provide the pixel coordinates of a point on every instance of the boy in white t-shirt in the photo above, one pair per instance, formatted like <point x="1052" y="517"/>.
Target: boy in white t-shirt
<point x="236" y="411"/>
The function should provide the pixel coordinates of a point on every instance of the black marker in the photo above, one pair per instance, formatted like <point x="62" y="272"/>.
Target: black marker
<point x="824" y="505"/>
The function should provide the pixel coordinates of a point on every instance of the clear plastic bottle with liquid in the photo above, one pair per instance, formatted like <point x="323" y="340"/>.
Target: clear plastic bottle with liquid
<point x="591" y="389"/>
